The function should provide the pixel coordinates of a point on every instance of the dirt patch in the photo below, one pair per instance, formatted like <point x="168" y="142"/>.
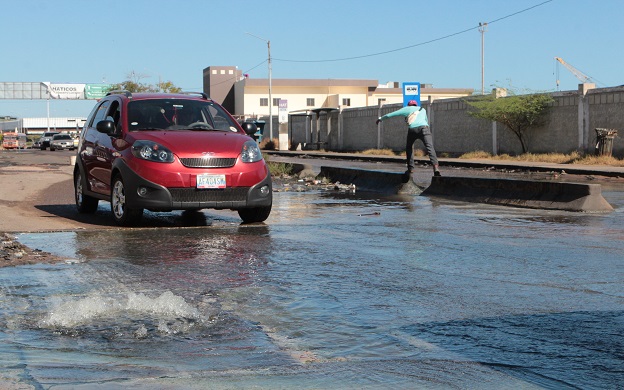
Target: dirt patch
<point x="13" y="253"/>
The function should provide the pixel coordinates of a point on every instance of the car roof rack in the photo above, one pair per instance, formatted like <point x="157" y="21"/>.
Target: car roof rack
<point x="120" y="92"/>
<point x="202" y="94"/>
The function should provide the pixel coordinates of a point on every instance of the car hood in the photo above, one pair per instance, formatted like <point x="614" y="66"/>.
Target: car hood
<point x="197" y="143"/>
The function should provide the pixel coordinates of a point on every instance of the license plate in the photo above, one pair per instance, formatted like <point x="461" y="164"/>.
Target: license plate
<point x="210" y="181"/>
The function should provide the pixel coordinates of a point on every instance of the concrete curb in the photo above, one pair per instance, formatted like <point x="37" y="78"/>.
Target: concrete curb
<point x="521" y="193"/>
<point x="578" y="197"/>
<point x="372" y="181"/>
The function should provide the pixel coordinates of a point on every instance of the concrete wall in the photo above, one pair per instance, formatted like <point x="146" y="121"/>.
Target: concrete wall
<point x="568" y="125"/>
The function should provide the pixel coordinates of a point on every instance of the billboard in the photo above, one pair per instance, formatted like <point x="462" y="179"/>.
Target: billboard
<point x="411" y="91"/>
<point x="65" y="91"/>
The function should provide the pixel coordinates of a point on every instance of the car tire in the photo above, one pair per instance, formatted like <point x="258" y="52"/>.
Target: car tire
<point x="123" y="215"/>
<point x="84" y="203"/>
<point x="254" y="214"/>
<point x="42" y="148"/>
<point x="52" y="149"/>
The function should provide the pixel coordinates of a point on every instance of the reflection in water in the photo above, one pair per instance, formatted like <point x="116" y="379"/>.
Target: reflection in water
<point x="334" y="291"/>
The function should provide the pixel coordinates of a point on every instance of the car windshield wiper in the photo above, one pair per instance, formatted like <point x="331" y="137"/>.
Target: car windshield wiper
<point x="149" y="129"/>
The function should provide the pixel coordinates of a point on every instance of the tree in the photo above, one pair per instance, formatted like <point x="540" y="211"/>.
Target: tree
<point x="517" y="112"/>
<point x="134" y="84"/>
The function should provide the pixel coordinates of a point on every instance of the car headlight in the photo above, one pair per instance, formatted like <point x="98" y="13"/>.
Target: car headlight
<point x="151" y="151"/>
<point x="251" y="152"/>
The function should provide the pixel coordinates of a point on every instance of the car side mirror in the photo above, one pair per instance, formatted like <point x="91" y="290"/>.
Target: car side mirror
<point x="106" y="127"/>
<point x="250" y="128"/>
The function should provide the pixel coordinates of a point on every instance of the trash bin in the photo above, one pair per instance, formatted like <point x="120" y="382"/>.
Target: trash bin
<point x="604" y="141"/>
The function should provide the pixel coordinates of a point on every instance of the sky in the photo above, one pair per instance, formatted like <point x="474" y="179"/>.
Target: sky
<point x="431" y="42"/>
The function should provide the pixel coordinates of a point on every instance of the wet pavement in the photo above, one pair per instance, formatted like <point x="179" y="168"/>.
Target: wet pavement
<point x="336" y="290"/>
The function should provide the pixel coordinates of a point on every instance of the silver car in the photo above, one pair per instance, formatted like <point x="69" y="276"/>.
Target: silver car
<point x="62" y="141"/>
<point x="44" y="141"/>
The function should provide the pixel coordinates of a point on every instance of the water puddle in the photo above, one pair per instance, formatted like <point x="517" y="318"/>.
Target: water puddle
<point x="335" y="291"/>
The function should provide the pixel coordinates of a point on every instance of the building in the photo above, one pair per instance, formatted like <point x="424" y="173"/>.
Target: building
<point x="37" y="126"/>
<point x="246" y="97"/>
<point x="219" y="84"/>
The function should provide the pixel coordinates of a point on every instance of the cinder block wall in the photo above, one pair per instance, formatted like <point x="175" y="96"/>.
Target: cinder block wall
<point x="568" y="125"/>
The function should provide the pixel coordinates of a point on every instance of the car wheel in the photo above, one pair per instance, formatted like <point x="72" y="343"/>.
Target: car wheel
<point x="254" y="214"/>
<point x="124" y="215"/>
<point x="42" y="148"/>
<point x="52" y="149"/>
<point x="84" y="203"/>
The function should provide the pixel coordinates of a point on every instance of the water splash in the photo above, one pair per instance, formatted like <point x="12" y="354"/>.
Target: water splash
<point x="96" y="307"/>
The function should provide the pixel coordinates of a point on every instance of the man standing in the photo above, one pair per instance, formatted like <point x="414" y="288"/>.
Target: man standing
<point x="418" y="128"/>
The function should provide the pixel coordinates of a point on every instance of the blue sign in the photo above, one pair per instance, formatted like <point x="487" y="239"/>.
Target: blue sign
<point x="411" y="91"/>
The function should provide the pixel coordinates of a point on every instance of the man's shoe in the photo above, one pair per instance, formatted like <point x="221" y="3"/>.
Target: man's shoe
<point x="436" y="173"/>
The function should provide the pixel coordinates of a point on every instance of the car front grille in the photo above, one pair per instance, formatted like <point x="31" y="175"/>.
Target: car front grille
<point x="186" y="195"/>
<point x="208" y="162"/>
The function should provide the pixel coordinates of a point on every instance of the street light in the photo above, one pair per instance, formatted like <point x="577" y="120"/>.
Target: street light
<point x="270" y="97"/>
<point x="482" y="30"/>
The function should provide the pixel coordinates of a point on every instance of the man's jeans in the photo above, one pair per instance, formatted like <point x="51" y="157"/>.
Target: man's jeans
<point x="422" y="133"/>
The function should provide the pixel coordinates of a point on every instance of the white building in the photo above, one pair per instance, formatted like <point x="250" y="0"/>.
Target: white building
<point x="248" y="97"/>
<point x="41" y="125"/>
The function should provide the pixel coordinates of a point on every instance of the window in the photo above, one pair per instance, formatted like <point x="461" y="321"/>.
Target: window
<point x="276" y="102"/>
<point x="310" y="102"/>
<point x="346" y="102"/>
<point x="264" y="102"/>
<point x="101" y="113"/>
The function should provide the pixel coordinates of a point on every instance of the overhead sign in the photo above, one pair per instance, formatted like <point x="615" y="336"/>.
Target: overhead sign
<point x="96" y="91"/>
<point x="411" y="91"/>
<point x="48" y="90"/>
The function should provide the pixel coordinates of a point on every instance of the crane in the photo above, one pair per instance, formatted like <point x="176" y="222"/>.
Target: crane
<point x="579" y="75"/>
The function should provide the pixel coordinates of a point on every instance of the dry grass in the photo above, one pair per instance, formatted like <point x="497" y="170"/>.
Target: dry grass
<point x="378" y="152"/>
<point x="554" y="158"/>
<point x="269" y="144"/>
<point x="600" y="160"/>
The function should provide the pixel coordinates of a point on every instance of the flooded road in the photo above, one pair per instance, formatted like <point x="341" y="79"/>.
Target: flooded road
<point x="334" y="291"/>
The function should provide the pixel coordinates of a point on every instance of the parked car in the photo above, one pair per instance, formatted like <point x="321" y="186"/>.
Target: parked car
<point x="46" y="138"/>
<point x="62" y="141"/>
<point x="37" y="143"/>
<point x="166" y="152"/>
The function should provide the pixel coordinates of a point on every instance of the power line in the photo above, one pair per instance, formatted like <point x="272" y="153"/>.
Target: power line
<point x="417" y="44"/>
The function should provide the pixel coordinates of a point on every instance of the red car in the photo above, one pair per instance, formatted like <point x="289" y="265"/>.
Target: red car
<point x="166" y="152"/>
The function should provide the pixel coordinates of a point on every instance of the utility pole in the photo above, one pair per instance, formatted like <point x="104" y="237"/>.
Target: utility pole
<point x="482" y="30"/>
<point x="270" y="96"/>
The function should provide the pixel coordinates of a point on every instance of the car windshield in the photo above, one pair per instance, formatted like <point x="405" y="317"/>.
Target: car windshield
<point x="178" y="114"/>
<point x="61" y="136"/>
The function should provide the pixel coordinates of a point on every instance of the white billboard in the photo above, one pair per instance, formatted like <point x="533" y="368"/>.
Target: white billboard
<point x="65" y="91"/>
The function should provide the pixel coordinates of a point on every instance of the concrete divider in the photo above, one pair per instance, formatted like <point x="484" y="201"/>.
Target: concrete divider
<point x="521" y="193"/>
<point x="508" y="192"/>
<point x="371" y="181"/>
